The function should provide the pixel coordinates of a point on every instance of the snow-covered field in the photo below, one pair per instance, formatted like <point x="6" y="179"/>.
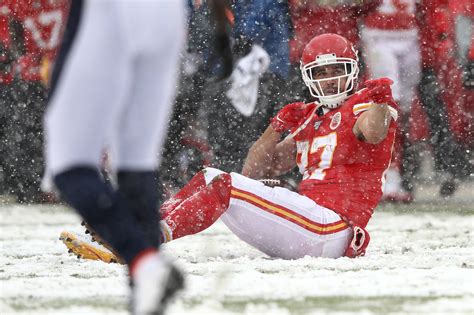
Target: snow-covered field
<point x="419" y="261"/>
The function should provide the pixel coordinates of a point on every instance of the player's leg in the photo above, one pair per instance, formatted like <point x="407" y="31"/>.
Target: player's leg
<point x="153" y="33"/>
<point x="383" y="61"/>
<point x="197" y="205"/>
<point x="276" y="221"/>
<point x="81" y="114"/>
<point x="410" y="67"/>
<point x="282" y="223"/>
<point x="188" y="212"/>
<point x="196" y="183"/>
<point x="144" y="123"/>
<point x="199" y="211"/>
<point x="449" y="156"/>
<point x="380" y="57"/>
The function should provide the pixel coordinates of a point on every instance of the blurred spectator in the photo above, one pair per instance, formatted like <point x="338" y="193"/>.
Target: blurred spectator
<point x="35" y="29"/>
<point x="6" y="78"/>
<point x="179" y="160"/>
<point x="392" y="49"/>
<point x="187" y="148"/>
<point x="442" y="95"/>
<point x="463" y="11"/>
<point x="315" y="17"/>
<point x="239" y="109"/>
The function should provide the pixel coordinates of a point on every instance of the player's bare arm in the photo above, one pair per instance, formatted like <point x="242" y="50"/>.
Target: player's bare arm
<point x="268" y="156"/>
<point x="372" y="126"/>
<point x="284" y="157"/>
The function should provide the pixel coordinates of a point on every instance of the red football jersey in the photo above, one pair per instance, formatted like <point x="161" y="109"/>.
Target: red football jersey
<point x="43" y="22"/>
<point x="339" y="171"/>
<point x="311" y="19"/>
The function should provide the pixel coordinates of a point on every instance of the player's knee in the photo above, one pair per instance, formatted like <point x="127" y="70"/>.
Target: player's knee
<point x="210" y="173"/>
<point x="222" y="185"/>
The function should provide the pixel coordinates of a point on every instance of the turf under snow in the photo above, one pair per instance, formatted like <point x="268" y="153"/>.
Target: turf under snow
<point x="417" y="263"/>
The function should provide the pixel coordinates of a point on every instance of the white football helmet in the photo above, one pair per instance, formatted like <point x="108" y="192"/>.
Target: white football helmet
<point x="324" y="50"/>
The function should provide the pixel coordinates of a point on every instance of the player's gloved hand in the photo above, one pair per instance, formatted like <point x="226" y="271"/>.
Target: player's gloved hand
<point x="291" y="116"/>
<point x="379" y="90"/>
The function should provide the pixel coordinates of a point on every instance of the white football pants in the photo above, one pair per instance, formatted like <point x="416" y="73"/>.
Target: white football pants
<point x="396" y="55"/>
<point x="117" y="85"/>
<point x="280" y="222"/>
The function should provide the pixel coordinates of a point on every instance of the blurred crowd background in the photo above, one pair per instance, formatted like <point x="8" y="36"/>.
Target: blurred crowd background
<point x="426" y="47"/>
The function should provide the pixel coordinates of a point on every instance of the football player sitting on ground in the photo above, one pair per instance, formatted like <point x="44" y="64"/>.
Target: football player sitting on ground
<point x="342" y="143"/>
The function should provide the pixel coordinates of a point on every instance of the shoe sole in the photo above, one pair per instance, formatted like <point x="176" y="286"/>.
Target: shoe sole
<point x="84" y="250"/>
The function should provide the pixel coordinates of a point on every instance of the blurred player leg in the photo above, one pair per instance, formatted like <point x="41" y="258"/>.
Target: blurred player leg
<point x="79" y="120"/>
<point x="383" y="61"/>
<point x="410" y="67"/>
<point x="449" y="156"/>
<point x="152" y="91"/>
<point x="142" y="133"/>
<point x="104" y="62"/>
<point x="194" y="208"/>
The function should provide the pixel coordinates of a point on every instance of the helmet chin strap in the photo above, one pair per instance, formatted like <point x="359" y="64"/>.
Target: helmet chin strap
<point x="332" y="102"/>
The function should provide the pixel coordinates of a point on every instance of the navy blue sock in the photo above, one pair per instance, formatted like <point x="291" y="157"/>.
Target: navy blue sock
<point x="104" y="209"/>
<point x="144" y="196"/>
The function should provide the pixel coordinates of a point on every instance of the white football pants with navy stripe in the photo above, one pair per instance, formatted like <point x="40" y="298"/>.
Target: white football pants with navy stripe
<point x="282" y="223"/>
<point x="117" y="85"/>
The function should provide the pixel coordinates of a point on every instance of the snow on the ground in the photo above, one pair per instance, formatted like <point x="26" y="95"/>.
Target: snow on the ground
<point x="418" y="262"/>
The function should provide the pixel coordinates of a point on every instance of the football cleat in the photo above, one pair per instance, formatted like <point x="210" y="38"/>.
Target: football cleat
<point x="96" y="238"/>
<point x="85" y="248"/>
<point x="155" y="281"/>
